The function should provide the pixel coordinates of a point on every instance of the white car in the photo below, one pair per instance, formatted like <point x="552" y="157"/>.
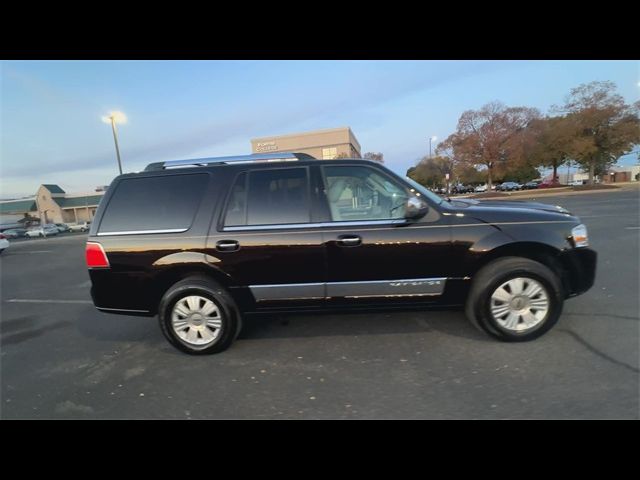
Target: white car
<point x="51" y="226"/>
<point x="575" y="183"/>
<point x="481" y="188"/>
<point x="4" y="243"/>
<point x="41" y="232"/>
<point x="80" y="227"/>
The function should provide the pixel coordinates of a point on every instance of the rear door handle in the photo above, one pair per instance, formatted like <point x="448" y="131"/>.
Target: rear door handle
<point x="349" y="240"/>
<point x="227" y="245"/>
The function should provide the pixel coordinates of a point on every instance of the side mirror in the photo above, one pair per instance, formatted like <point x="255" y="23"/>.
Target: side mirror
<point x="415" y="208"/>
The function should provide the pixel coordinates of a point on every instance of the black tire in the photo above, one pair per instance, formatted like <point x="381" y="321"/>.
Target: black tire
<point x="494" y="274"/>
<point x="205" y="287"/>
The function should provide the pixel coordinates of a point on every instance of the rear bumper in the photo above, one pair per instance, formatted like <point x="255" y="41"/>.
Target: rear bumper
<point x="580" y="268"/>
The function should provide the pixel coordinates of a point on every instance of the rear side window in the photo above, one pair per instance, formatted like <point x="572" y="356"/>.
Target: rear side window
<point x="154" y="203"/>
<point x="269" y="197"/>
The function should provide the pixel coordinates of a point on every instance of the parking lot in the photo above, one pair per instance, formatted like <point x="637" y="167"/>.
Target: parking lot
<point x="60" y="358"/>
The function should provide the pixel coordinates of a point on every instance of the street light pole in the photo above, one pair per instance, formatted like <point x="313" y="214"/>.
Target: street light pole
<point x="115" y="139"/>
<point x="113" y="118"/>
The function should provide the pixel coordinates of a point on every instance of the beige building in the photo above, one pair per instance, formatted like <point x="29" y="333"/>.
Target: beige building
<point x="321" y="144"/>
<point x="53" y="205"/>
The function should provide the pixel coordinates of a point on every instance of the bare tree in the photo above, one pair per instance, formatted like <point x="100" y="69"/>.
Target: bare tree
<point x="607" y="127"/>
<point x="375" y="156"/>
<point x="491" y="136"/>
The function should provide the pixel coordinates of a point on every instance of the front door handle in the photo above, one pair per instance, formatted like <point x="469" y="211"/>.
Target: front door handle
<point x="349" y="240"/>
<point x="227" y="245"/>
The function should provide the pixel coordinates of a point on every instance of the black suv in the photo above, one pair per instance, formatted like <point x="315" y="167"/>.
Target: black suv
<point x="204" y="242"/>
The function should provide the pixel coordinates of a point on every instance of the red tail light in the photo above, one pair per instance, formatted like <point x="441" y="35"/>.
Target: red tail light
<point x="96" y="258"/>
<point x="2" y="237"/>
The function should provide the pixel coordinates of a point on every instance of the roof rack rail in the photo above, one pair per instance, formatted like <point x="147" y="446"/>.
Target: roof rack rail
<point x="253" y="158"/>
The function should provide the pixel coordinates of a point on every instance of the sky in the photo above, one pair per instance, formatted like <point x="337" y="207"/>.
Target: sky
<point x="50" y="111"/>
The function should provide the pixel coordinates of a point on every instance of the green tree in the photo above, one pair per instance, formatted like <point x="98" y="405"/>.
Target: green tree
<point x="520" y="172"/>
<point x="554" y="141"/>
<point x="468" y="174"/>
<point x="431" y="172"/>
<point x="607" y="127"/>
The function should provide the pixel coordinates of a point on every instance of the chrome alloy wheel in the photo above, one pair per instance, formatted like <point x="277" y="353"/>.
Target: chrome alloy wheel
<point x="196" y="320"/>
<point x="520" y="304"/>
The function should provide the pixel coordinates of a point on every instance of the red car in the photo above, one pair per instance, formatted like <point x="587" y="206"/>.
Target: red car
<point x="549" y="184"/>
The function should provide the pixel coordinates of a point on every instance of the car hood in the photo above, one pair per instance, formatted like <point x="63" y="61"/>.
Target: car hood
<point x="507" y="205"/>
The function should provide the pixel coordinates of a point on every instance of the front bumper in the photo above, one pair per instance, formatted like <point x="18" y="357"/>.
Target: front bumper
<point x="580" y="270"/>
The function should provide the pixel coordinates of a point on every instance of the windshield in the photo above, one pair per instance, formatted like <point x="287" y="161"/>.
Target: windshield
<point x="425" y="191"/>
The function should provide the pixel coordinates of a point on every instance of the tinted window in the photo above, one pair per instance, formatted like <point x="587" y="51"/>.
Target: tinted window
<point x="154" y="203"/>
<point x="269" y="197"/>
<point x="361" y="193"/>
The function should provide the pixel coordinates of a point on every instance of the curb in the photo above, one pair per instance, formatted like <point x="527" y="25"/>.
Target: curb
<point x="563" y="193"/>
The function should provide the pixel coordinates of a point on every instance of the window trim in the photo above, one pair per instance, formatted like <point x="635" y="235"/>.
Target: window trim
<point x="336" y="224"/>
<point x="231" y="228"/>
<point x="381" y="172"/>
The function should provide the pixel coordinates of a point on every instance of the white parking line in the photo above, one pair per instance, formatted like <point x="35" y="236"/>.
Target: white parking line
<point x="33" y="300"/>
<point x="632" y="228"/>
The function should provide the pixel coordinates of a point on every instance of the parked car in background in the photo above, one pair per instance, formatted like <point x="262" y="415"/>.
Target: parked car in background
<point x="508" y="187"/>
<point x="460" y="188"/>
<point x="63" y="227"/>
<point x="42" y="231"/>
<point x="15" y="232"/>
<point x="575" y="183"/>
<point x="80" y="227"/>
<point x="52" y="226"/>
<point x="4" y="243"/>
<point x="481" y="188"/>
<point x="532" y="185"/>
<point x="549" y="184"/>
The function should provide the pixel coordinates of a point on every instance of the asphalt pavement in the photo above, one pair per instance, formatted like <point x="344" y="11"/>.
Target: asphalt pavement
<point x="60" y="358"/>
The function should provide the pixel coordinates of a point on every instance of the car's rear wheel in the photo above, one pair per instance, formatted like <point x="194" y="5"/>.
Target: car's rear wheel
<point x="515" y="299"/>
<point x="198" y="316"/>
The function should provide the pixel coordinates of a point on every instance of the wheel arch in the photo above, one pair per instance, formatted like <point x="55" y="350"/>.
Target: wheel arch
<point x="540" y="252"/>
<point x="172" y="274"/>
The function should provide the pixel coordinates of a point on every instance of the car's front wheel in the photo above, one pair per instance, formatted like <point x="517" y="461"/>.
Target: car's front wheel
<point x="515" y="299"/>
<point x="199" y="316"/>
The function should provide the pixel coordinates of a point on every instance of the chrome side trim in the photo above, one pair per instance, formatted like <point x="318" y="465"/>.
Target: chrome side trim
<point x="121" y="310"/>
<point x="143" y="232"/>
<point x="288" y="291"/>
<point x="387" y="288"/>
<point x="415" y="287"/>
<point x="314" y="225"/>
